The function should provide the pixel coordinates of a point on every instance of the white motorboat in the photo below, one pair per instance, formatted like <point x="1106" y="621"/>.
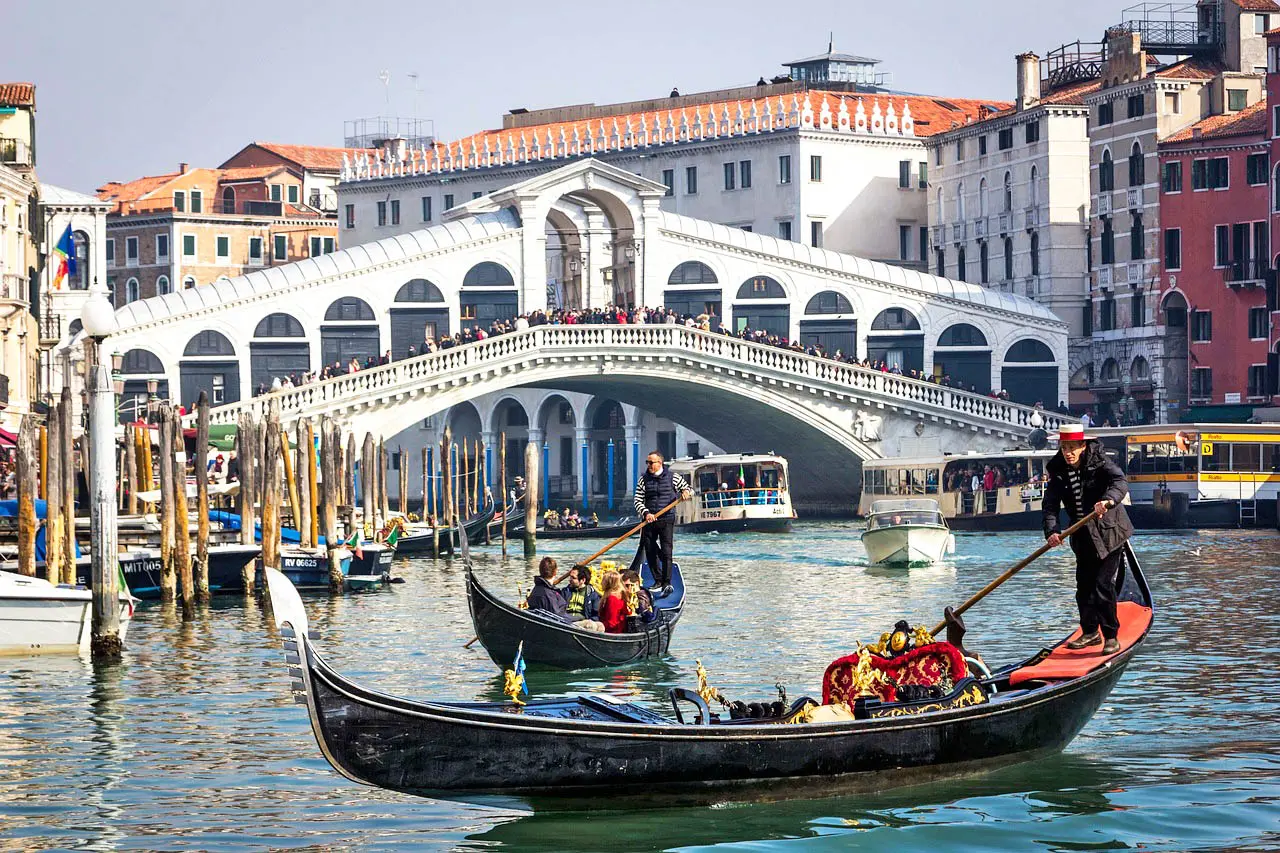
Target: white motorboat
<point x="38" y="617"/>
<point x="907" y="533"/>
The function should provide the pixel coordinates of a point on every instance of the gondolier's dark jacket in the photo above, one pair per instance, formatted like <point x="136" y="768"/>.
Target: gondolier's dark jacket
<point x="546" y="598"/>
<point x="1102" y="479"/>
<point x="655" y="491"/>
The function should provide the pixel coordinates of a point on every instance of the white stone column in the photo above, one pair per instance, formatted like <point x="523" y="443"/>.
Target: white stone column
<point x="533" y="254"/>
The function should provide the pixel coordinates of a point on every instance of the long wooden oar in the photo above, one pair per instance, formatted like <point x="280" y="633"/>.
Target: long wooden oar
<point x="986" y="590"/>
<point x="601" y="552"/>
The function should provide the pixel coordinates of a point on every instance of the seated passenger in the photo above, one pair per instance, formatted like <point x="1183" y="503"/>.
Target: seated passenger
<point x="582" y="602"/>
<point x="613" y="612"/>
<point x="544" y="596"/>
<point x="639" y="602"/>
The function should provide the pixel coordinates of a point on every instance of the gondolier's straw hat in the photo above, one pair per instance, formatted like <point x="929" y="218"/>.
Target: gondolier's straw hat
<point x="1073" y="432"/>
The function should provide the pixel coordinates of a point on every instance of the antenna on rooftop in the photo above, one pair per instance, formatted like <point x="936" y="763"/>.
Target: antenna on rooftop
<point x="831" y="41"/>
<point x="413" y="75"/>
<point x="385" y="77"/>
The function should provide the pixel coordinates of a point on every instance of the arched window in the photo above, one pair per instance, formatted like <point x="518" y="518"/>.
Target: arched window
<point x="1008" y="192"/>
<point x="982" y="197"/>
<point x="419" y="290"/>
<point x="962" y="335"/>
<point x="1034" y="190"/>
<point x="1008" y="259"/>
<point x="163" y="286"/>
<point x="828" y="302"/>
<point x="131" y="290"/>
<point x="79" y="278"/>
<point x="984" y="264"/>
<point x="209" y="343"/>
<point x="942" y="205"/>
<point x="692" y="272"/>
<point x="1175" y="310"/>
<point x="488" y="274"/>
<point x="1035" y="253"/>
<point x="761" y="287"/>
<point x="1029" y="350"/>
<point x="960" y="265"/>
<point x="1137" y="166"/>
<point x="1106" y="173"/>
<point x="188" y="282"/>
<point x="1140" y="370"/>
<point x="1275" y="190"/>
<point x="349" y="309"/>
<point x="1137" y="241"/>
<point x="138" y="361"/>
<point x="228" y="200"/>
<point x="279" y="325"/>
<point x="1110" y="371"/>
<point x="960" y="202"/>
<point x="895" y="320"/>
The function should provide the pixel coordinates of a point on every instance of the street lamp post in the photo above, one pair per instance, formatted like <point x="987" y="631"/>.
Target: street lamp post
<point x="99" y="320"/>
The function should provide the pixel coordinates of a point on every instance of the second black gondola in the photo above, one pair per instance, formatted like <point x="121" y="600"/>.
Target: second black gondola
<point x="550" y="642"/>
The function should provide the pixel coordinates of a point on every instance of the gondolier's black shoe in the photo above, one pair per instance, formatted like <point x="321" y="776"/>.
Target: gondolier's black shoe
<point x="1085" y="641"/>
<point x="1111" y="646"/>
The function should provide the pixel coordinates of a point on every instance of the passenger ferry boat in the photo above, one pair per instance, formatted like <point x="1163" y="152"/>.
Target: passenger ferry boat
<point x="1198" y="475"/>
<point x="1012" y="504"/>
<point x="735" y="492"/>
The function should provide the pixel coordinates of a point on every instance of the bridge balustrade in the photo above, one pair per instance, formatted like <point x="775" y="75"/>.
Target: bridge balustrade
<point x="458" y="364"/>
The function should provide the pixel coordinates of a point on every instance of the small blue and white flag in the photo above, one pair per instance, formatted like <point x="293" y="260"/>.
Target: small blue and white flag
<point x="518" y="666"/>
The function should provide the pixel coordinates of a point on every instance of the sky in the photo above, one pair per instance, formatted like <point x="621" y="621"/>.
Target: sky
<point x="133" y="87"/>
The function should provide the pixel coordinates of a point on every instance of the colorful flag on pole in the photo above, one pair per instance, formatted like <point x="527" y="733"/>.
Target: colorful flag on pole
<point x="742" y="478"/>
<point x="519" y="667"/>
<point x="65" y="252"/>
<point x="354" y="544"/>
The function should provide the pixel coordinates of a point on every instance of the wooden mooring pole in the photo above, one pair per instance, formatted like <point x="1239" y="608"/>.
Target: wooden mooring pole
<point x="181" y="520"/>
<point x="168" y="580"/>
<point x="28" y="487"/>
<point x="531" y="474"/>
<point x="202" y="497"/>
<point x="246" y="442"/>
<point x="330" y="448"/>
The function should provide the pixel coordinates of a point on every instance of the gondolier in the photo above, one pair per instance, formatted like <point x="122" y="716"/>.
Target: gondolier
<point x="1083" y="480"/>
<point x="657" y="487"/>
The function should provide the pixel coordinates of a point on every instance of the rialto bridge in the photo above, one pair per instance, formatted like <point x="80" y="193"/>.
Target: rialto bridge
<point x="587" y="235"/>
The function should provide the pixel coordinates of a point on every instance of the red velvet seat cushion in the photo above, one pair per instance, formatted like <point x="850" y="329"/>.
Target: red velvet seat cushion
<point x="927" y="665"/>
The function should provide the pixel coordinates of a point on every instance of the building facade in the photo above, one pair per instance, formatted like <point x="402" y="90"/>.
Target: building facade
<point x="193" y="226"/>
<point x="835" y="167"/>
<point x="19" y="255"/>
<point x="1009" y="199"/>
<point x="318" y="165"/>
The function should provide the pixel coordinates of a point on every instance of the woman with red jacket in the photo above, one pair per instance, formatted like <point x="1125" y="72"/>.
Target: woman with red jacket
<point x="613" y="611"/>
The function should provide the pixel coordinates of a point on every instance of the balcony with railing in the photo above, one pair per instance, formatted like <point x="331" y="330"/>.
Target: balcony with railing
<point x="1177" y="28"/>
<point x="937" y="233"/>
<point x="208" y="206"/>
<point x="980" y="228"/>
<point x="1133" y="198"/>
<point x="1247" y="273"/>
<point x="13" y="287"/>
<point x="959" y="232"/>
<point x="1105" y="276"/>
<point x="1135" y="272"/>
<point x="1006" y="222"/>
<point x="1104" y="203"/>
<point x="15" y="152"/>
<point x="50" y="328"/>
<point x="1031" y="217"/>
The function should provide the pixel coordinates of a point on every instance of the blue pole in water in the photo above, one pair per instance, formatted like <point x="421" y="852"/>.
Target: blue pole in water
<point x="585" y="474"/>
<point x="488" y="466"/>
<point x="546" y="477"/>
<point x="430" y="485"/>
<point x="610" y="461"/>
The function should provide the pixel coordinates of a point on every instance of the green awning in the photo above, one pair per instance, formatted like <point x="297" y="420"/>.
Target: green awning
<point x="1227" y="413"/>
<point x="223" y="437"/>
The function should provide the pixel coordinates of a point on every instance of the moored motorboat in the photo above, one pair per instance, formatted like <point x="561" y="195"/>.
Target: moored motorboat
<point x="142" y="569"/>
<point x="734" y="493"/>
<point x="566" y="747"/>
<point x="308" y="568"/>
<point x="906" y="533"/>
<point x="549" y="641"/>
<point x="37" y="616"/>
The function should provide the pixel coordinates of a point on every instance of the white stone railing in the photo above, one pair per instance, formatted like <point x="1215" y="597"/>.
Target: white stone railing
<point x="463" y="364"/>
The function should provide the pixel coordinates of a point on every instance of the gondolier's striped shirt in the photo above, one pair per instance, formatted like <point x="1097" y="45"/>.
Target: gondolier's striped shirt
<point x="1077" y="492"/>
<point x="680" y="484"/>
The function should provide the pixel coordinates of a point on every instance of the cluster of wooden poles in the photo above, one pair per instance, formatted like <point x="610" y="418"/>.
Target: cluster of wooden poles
<point x="46" y="470"/>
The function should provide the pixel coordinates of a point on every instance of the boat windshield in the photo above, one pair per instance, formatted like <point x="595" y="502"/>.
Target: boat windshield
<point x="895" y="513"/>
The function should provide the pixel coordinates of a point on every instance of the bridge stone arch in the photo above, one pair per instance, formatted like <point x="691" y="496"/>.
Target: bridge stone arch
<point x="209" y="364"/>
<point x="350" y="330"/>
<point x="831" y="322"/>
<point x="963" y="352"/>
<point x="140" y="367"/>
<point x="897" y="338"/>
<point x="279" y="348"/>
<point x="566" y="255"/>
<point x="507" y="411"/>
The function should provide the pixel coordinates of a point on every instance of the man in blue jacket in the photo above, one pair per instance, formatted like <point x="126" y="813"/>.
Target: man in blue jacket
<point x="656" y="489"/>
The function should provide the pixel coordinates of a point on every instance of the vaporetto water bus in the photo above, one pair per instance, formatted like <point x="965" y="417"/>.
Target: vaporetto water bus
<point x="734" y="492"/>
<point x="1012" y="502"/>
<point x="1199" y="475"/>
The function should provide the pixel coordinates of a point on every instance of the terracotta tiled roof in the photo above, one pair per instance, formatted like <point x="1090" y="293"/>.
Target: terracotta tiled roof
<point x="1192" y="69"/>
<point x="128" y="191"/>
<point x="17" y="94"/>
<point x="930" y="114"/>
<point x="1258" y="5"/>
<point x="248" y="173"/>
<point x="144" y="194"/>
<point x="1073" y="93"/>
<point x="311" y="156"/>
<point x="1248" y="122"/>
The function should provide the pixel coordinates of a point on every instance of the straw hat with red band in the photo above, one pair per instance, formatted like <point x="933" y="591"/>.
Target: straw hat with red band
<point x="1073" y="432"/>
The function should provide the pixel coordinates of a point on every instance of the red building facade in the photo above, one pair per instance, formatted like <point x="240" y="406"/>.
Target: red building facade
<point x="1216" y="249"/>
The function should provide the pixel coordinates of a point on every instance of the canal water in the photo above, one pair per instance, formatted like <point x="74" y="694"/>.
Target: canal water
<point x="193" y="743"/>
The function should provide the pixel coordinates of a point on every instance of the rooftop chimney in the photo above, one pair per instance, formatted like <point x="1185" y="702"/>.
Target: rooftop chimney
<point x="1028" y="80"/>
<point x="182" y="168"/>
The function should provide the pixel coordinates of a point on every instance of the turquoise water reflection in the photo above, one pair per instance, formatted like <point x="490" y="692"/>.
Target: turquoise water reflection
<point x="192" y="742"/>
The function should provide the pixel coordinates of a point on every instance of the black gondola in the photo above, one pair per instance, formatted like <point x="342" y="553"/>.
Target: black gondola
<point x="550" y="642"/>
<point x="604" y="531"/>
<point x="567" y="746"/>
<point x="417" y="540"/>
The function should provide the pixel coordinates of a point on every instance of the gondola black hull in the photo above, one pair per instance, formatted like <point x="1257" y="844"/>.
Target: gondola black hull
<point x="419" y="542"/>
<point x="551" y="643"/>
<point x="422" y="748"/>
